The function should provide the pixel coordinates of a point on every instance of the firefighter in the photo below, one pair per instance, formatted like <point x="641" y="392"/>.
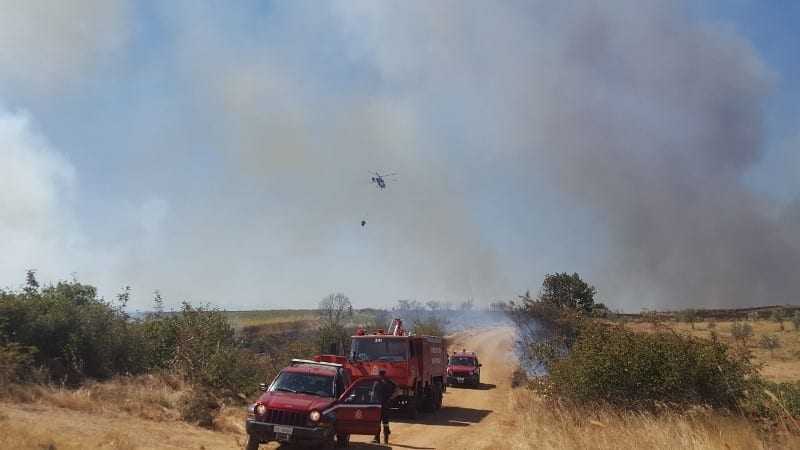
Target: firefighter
<point x="385" y="389"/>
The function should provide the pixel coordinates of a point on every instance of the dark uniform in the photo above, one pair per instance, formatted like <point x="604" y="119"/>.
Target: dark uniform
<point x="384" y="391"/>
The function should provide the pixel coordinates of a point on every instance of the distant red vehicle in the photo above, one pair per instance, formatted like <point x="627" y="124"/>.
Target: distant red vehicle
<point x="463" y="368"/>
<point x="314" y="402"/>
<point x="416" y="364"/>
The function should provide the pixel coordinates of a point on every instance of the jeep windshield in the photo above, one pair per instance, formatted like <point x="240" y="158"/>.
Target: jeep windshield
<point x="303" y="383"/>
<point x="462" y="361"/>
<point x="379" y="349"/>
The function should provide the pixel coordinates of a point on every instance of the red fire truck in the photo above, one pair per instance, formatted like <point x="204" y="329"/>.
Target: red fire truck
<point x="417" y="364"/>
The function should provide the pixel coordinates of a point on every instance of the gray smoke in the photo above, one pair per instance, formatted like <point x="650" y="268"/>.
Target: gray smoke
<point x="636" y="111"/>
<point x="611" y="137"/>
<point x="653" y="121"/>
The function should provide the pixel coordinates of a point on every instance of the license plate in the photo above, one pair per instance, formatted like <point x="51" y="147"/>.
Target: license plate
<point x="460" y="379"/>
<point x="283" y="433"/>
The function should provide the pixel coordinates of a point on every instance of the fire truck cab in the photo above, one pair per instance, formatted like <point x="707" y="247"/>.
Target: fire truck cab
<point x="416" y="364"/>
<point x="314" y="402"/>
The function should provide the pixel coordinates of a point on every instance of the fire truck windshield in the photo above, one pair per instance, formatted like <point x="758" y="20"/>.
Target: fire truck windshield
<point x="379" y="349"/>
<point x="303" y="383"/>
<point x="462" y="361"/>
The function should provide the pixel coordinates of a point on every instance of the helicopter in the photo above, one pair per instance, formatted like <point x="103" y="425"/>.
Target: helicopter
<point x="379" y="180"/>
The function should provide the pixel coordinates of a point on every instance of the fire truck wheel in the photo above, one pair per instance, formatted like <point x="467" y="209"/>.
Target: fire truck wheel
<point x="252" y="443"/>
<point x="429" y="401"/>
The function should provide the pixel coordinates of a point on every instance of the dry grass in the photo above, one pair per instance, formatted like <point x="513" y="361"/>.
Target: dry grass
<point x="541" y="425"/>
<point x="782" y="364"/>
<point x="124" y="413"/>
<point x="148" y="397"/>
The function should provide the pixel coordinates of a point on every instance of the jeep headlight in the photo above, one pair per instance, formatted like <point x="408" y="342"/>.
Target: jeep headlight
<point x="314" y="416"/>
<point x="260" y="409"/>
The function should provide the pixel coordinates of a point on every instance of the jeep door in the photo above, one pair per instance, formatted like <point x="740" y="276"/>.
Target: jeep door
<point x="358" y="410"/>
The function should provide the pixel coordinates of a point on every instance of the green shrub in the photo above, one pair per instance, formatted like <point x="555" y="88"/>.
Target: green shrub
<point x="796" y="320"/>
<point x="207" y="353"/>
<point x="431" y="326"/>
<point x="769" y="342"/>
<point x="788" y="396"/>
<point x="777" y="316"/>
<point x="614" y="365"/>
<point x="75" y="333"/>
<point x="741" y="331"/>
<point x="16" y="363"/>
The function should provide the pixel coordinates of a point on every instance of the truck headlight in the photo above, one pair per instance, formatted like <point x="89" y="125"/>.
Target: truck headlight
<point x="314" y="416"/>
<point x="260" y="409"/>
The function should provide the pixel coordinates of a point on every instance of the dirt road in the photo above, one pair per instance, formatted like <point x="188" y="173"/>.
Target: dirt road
<point x="470" y="418"/>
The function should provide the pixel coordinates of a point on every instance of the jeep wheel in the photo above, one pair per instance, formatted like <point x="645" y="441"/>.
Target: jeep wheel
<point x="329" y="443"/>
<point x="252" y="443"/>
<point x="342" y="440"/>
<point x="411" y="408"/>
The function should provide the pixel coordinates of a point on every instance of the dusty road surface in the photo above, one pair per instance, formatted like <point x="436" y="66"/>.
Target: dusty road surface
<point x="470" y="418"/>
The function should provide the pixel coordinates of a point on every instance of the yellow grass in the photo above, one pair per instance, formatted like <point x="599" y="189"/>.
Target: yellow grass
<point x="782" y="364"/>
<point x="542" y="425"/>
<point x="104" y="416"/>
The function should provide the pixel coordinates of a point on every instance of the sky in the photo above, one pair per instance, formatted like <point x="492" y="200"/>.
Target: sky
<point x="222" y="152"/>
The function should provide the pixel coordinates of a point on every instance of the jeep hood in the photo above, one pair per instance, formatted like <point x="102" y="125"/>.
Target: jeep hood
<point x="288" y="401"/>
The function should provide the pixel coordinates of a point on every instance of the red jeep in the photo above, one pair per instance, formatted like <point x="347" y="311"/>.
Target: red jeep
<point x="463" y="368"/>
<point x="313" y="402"/>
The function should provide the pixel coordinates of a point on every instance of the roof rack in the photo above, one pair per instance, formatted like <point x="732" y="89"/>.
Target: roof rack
<point x="317" y="363"/>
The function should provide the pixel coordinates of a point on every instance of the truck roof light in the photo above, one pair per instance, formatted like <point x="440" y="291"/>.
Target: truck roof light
<point x="316" y="363"/>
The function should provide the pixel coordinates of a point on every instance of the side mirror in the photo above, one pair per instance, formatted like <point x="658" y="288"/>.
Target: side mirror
<point x="262" y="387"/>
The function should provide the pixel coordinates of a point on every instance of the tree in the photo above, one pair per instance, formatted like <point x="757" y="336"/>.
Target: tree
<point x="499" y="306"/>
<point x="689" y="316"/>
<point x="31" y="284"/>
<point x="467" y="305"/>
<point x="158" y="303"/>
<point x="334" y="309"/>
<point x="434" y="305"/>
<point x="567" y="292"/>
<point x="333" y="312"/>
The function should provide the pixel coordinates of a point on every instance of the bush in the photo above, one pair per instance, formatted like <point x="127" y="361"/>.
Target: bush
<point x="74" y="333"/>
<point x="207" y="354"/>
<point x="614" y="365"/>
<point x="431" y="326"/>
<point x="741" y="331"/>
<point x="787" y="396"/>
<point x="777" y="316"/>
<point x="769" y="342"/>
<point x="16" y="363"/>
